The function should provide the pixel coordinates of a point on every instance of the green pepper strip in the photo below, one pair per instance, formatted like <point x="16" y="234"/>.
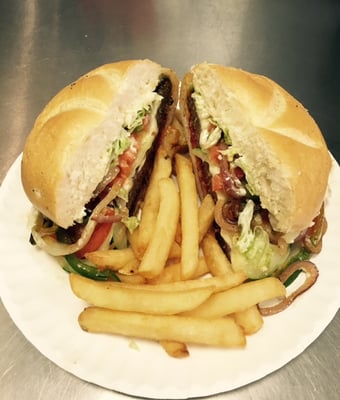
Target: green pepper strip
<point x="89" y="271"/>
<point x="292" y="277"/>
<point x="302" y="255"/>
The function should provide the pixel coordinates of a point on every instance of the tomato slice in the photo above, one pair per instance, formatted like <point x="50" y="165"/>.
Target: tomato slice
<point x="96" y="240"/>
<point x="99" y="235"/>
<point x="101" y="230"/>
<point x="126" y="161"/>
<point x="217" y="183"/>
<point x="215" y="153"/>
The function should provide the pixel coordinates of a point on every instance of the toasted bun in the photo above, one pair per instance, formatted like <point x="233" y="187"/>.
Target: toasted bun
<point x="67" y="152"/>
<point x="281" y="148"/>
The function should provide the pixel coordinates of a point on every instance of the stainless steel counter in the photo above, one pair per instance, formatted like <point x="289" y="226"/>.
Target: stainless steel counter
<point x="47" y="44"/>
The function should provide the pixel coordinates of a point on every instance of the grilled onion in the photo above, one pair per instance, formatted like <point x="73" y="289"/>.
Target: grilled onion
<point x="311" y="273"/>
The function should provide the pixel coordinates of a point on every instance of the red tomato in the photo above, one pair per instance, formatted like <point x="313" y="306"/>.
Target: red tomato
<point x="96" y="240"/>
<point x="214" y="154"/>
<point x="126" y="161"/>
<point x="217" y="183"/>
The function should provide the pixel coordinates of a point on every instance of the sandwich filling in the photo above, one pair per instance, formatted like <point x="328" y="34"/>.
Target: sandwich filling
<point x="243" y="225"/>
<point x="111" y="211"/>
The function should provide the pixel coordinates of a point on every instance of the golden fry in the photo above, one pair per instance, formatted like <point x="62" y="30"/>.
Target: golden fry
<point x="112" y="259"/>
<point x="175" y="251"/>
<point x="130" y="268"/>
<point x="220" y="332"/>
<point x="172" y="273"/>
<point x="205" y="215"/>
<point x="117" y="296"/>
<point x="162" y="169"/>
<point x="178" y="236"/>
<point x="217" y="283"/>
<point x="134" y="244"/>
<point x="175" y="349"/>
<point x="189" y="216"/>
<point x="132" y="279"/>
<point x="239" y="298"/>
<point x="250" y="320"/>
<point x="217" y="261"/>
<point x="164" y="230"/>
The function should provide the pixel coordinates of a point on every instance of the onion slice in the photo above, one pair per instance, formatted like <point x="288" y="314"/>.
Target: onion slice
<point x="55" y="248"/>
<point x="221" y="209"/>
<point x="311" y="273"/>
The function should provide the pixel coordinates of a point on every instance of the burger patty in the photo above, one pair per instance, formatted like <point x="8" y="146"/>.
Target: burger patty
<point x="201" y="167"/>
<point x="142" y="177"/>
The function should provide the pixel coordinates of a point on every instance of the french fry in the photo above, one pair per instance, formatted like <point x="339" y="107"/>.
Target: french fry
<point x="219" y="283"/>
<point x="189" y="216"/>
<point x="172" y="273"/>
<point x="239" y="298"/>
<point x="162" y="169"/>
<point x="250" y="320"/>
<point x="113" y="258"/>
<point x="130" y="268"/>
<point x="215" y="283"/>
<point x="178" y="236"/>
<point x="130" y="298"/>
<point x="132" y="279"/>
<point x="205" y="216"/>
<point x="175" y="349"/>
<point x="217" y="261"/>
<point x="134" y="244"/>
<point x="220" y="332"/>
<point x="164" y="230"/>
<point x="175" y="250"/>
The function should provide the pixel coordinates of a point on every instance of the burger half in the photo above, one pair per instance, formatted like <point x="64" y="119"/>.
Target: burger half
<point x="264" y="159"/>
<point x="90" y="154"/>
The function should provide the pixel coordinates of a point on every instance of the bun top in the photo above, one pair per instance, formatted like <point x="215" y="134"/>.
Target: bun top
<point x="67" y="152"/>
<point x="281" y="148"/>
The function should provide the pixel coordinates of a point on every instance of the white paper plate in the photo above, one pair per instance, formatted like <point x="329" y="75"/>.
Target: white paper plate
<point x="36" y="293"/>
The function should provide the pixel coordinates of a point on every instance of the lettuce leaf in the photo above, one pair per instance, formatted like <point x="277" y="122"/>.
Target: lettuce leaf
<point x="119" y="146"/>
<point x="137" y="123"/>
<point x="131" y="223"/>
<point x="252" y="251"/>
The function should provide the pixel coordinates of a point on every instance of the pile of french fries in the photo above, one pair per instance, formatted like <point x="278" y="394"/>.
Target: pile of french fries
<point x="177" y="285"/>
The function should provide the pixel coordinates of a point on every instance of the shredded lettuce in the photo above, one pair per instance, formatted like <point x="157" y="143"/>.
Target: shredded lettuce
<point x="247" y="236"/>
<point x="131" y="223"/>
<point x="119" y="146"/>
<point x="137" y="123"/>
<point x="260" y="250"/>
<point x="123" y="194"/>
<point x="198" y="152"/>
<point x="227" y="137"/>
<point x="210" y="137"/>
<point x="119" y="236"/>
<point x="253" y="251"/>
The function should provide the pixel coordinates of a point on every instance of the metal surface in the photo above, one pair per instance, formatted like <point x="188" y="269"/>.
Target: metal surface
<point x="47" y="44"/>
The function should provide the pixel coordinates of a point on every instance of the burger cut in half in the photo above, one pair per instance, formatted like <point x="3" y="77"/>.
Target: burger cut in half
<point x="90" y="154"/>
<point x="264" y="159"/>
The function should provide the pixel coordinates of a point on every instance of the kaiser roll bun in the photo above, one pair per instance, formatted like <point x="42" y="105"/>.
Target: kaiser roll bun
<point x="67" y="151"/>
<point x="280" y="146"/>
